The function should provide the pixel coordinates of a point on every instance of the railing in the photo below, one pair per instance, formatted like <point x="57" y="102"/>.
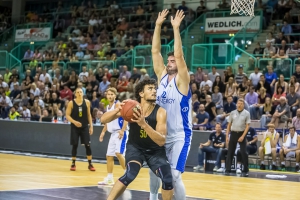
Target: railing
<point x="3" y="59"/>
<point x="6" y="34"/>
<point x="254" y="59"/>
<point x="14" y="62"/>
<point x="125" y="59"/>
<point x="34" y="25"/>
<point x="280" y="65"/>
<point x="218" y="55"/>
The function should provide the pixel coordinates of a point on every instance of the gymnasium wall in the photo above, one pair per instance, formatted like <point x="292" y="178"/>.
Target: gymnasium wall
<point x="48" y="138"/>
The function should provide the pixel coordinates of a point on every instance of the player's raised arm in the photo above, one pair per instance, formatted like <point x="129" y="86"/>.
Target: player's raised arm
<point x="158" y="62"/>
<point x="112" y="115"/>
<point x="183" y="77"/>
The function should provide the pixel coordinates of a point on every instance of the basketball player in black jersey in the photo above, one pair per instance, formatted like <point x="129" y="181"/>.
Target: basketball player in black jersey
<point x="79" y="114"/>
<point x="147" y="136"/>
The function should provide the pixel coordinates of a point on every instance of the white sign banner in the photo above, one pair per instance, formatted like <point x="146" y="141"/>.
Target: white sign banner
<point x="231" y="24"/>
<point x="32" y="34"/>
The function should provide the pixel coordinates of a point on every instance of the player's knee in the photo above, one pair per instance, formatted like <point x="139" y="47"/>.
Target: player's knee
<point x="176" y="175"/>
<point x="164" y="172"/>
<point x="88" y="149"/>
<point x="131" y="173"/>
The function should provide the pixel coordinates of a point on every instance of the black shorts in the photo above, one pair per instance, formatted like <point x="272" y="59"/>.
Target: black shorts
<point x="82" y="133"/>
<point x="154" y="158"/>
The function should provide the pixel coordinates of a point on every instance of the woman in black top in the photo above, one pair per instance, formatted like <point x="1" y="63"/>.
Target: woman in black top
<point x="243" y="88"/>
<point x="64" y="80"/>
<point x="47" y="100"/>
<point x="89" y="92"/>
<point x="99" y="75"/>
<point x="210" y="108"/>
<point x="228" y="74"/>
<point x="218" y="82"/>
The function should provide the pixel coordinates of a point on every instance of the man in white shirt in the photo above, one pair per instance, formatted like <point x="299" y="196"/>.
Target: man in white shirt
<point x="44" y="75"/>
<point x="83" y="73"/>
<point x="2" y="83"/>
<point x="5" y="105"/>
<point x="212" y="75"/>
<point x="206" y="82"/>
<point x="26" y="113"/>
<point x="255" y="76"/>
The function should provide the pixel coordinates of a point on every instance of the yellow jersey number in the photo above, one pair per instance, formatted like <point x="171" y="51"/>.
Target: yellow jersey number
<point x="143" y="133"/>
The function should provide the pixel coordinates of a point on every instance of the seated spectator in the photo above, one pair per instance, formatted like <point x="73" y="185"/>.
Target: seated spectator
<point x="7" y="76"/>
<point x="257" y="53"/>
<point x="293" y="100"/>
<point x="26" y="115"/>
<point x="66" y="93"/>
<point x="281" y="83"/>
<point x="45" y="117"/>
<point x="251" y="149"/>
<point x="5" y="105"/>
<point x="15" y="94"/>
<point x="34" y="90"/>
<point x="240" y="75"/>
<point x="224" y="5"/>
<point x="264" y="84"/>
<point x="199" y="75"/>
<point x="44" y="75"/>
<point x="201" y="118"/>
<point x="227" y="74"/>
<point x="252" y="100"/>
<point x="125" y="73"/>
<point x="122" y="88"/>
<point x="210" y="108"/>
<point x="271" y="77"/>
<point x="243" y="88"/>
<point x="206" y="81"/>
<point x="268" y="49"/>
<point x="255" y="77"/>
<point x="228" y="107"/>
<point x="13" y="114"/>
<point x="287" y="30"/>
<point x="195" y="102"/>
<point x="166" y="35"/>
<point x="294" y="51"/>
<point x="273" y="137"/>
<point x="270" y="38"/>
<point x="217" y="98"/>
<point x="296" y="120"/>
<point x="290" y="148"/>
<point x="201" y="9"/>
<point x="215" y="144"/>
<point x="212" y="75"/>
<point x="28" y="55"/>
<point x="218" y="82"/>
<point x="231" y="90"/>
<point x="267" y="112"/>
<point x="280" y="37"/>
<point x="277" y="95"/>
<point x="183" y="7"/>
<point x="104" y="84"/>
<point x="282" y="112"/>
<point x="123" y="26"/>
<point x="79" y="54"/>
<point x="34" y="116"/>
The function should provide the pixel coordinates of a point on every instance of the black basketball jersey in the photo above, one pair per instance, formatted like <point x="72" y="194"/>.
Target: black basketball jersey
<point x="80" y="114"/>
<point x="138" y="136"/>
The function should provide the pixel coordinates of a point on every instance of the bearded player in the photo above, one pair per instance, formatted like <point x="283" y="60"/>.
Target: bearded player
<point x="174" y="95"/>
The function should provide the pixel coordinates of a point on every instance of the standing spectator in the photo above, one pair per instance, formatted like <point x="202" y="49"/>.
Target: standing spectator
<point x="293" y="100"/>
<point x="212" y="75"/>
<point x="215" y="144"/>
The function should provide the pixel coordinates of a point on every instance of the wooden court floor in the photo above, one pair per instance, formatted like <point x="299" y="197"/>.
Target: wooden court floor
<point x="24" y="172"/>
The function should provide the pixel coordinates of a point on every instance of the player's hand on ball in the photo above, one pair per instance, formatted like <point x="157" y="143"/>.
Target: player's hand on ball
<point x="91" y="130"/>
<point x="139" y="117"/>
<point x="162" y="16"/>
<point x="121" y="134"/>
<point x="176" y="21"/>
<point x="77" y="124"/>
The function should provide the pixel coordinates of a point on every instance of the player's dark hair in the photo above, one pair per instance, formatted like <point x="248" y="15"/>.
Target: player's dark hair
<point x="140" y="87"/>
<point x="170" y="53"/>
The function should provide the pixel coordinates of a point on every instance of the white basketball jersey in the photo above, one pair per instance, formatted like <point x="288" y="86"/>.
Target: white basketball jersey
<point x="116" y="124"/>
<point x="179" y="110"/>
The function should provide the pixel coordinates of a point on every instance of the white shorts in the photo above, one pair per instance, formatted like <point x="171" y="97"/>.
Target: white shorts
<point x="116" y="145"/>
<point x="177" y="153"/>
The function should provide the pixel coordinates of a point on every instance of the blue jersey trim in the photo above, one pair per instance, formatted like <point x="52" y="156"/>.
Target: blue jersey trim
<point x="123" y="144"/>
<point x="120" y="121"/>
<point x="189" y="95"/>
<point x="188" y="133"/>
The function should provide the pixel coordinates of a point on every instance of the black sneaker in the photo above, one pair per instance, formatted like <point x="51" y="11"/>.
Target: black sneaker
<point x="274" y="167"/>
<point x="283" y="168"/>
<point x="262" y="167"/>
<point x="297" y="168"/>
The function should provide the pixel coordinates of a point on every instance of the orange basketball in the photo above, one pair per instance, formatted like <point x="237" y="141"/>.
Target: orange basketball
<point x="127" y="109"/>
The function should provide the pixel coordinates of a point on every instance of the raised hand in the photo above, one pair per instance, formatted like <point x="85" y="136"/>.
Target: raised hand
<point x="162" y="16"/>
<point x="176" y="21"/>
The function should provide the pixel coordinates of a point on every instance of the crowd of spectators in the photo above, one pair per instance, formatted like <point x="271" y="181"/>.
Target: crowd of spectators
<point x="5" y="19"/>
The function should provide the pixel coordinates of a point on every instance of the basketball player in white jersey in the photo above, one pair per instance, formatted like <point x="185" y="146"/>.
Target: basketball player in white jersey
<point x="117" y="142"/>
<point x="174" y="95"/>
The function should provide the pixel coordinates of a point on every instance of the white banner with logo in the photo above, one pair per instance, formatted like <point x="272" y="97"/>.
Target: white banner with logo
<point x="33" y="34"/>
<point x="231" y="24"/>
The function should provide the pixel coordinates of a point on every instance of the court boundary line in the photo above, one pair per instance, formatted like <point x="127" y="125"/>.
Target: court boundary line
<point x="97" y="186"/>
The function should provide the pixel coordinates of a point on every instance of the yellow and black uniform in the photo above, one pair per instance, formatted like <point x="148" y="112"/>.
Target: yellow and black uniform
<point x="140" y="147"/>
<point x="80" y="114"/>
